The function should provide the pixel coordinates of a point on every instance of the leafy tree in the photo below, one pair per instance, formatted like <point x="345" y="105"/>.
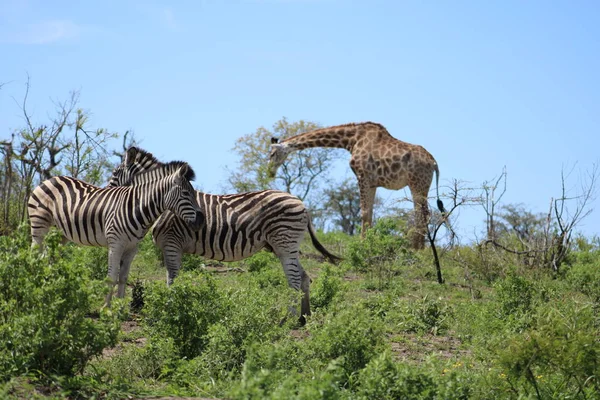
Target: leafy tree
<point x="515" y="218"/>
<point x="342" y="205"/>
<point x="300" y="175"/>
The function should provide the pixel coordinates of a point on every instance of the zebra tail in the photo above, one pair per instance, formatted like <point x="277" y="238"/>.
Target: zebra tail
<point x="313" y="237"/>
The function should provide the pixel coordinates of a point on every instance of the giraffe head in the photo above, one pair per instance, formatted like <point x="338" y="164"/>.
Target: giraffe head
<point x="278" y="154"/>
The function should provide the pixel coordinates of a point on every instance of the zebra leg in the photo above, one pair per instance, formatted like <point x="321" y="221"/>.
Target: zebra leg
<point x="115" y="255"/>
<point x="172" y="259"/>
<point x="305" y="305"/>
<point x="39" y="230"/>
<point x="298" y="279"/>
<point x="126" y="260"/>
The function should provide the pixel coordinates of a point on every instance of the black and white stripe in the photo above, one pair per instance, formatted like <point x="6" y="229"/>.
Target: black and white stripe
<point x="236" y="227"/>
<point x="114" y="217"/>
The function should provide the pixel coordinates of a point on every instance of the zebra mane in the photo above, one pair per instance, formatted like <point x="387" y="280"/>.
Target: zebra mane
<point x="144" y="159"/>
<point x="141" y="156"/>
<point x="160" y="171"/>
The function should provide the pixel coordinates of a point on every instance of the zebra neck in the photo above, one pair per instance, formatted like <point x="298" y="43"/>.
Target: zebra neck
<point x="150" y="202"/>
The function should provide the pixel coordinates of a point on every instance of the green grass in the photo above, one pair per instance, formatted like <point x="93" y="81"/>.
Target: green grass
<point x="381" y="328"/>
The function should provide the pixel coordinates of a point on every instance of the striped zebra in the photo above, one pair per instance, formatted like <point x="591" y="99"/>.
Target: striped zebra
<point x="114" y="217"/>
<point x="236" y="227"/>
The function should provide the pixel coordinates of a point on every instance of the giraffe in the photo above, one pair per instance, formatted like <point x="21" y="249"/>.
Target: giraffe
<point x="378" y="160"/>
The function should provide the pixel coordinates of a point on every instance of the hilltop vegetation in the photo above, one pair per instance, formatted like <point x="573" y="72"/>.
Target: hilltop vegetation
<point x="382" y="327"/>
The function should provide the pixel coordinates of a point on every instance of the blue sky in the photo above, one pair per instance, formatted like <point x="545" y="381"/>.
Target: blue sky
<point x="481" y="85"/>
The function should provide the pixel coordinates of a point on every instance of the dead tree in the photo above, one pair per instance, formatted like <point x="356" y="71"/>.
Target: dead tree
<point x="491" y="200"/>
<point x="459" y="196"/>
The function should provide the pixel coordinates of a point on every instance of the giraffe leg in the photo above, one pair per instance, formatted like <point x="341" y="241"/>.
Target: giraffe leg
<point x="126" y="260"/>
<point x="421" y="213"/>
<point x="367" y="198"/>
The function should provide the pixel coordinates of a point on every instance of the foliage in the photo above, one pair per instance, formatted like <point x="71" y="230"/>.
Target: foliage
<point x="353" y="337"/>
<point x="259" y="383"/>
<point x="64" y="144"/>
<point x="558" y="356"/>
<point x="231" y="335"/>
<point x="184" y="311"/>
<point x="342" y="204"/>
<point x="384" y="242"/>
<point x="586" y="279"/>
<point x="428" y="315"/>
<point x="326" y="287"/>
<point x="261" y="260"/>
<point x="247" y="323"/>
<point x="515" y="300"/>
<point x="45" y="306"/>
<point x="298" y="175"/>
<point x="385" y="379"/>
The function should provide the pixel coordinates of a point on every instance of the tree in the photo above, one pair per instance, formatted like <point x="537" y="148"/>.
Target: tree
<point x="516" y="219"/>
<point x="342" y="205"/>
<point x="545" y="241"/>
<point x="300" y="175"/>
<point x="63" y="145"/>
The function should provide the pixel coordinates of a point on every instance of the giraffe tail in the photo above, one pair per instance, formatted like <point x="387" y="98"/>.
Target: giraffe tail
<point x="440" y="204"/>
<point x="313" y="237"/>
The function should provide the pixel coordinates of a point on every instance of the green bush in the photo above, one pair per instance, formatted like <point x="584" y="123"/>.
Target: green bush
<point x="192" y="262"/>
<point x="45" y="306"/>
<point x="271" y="277"/>
<point x="384" y="243"/>
<point x="184" y="311"/>
<point x="351" y="335"/>
<point x="585" y="278"/>
<point x="559" y="356"/>
<point x="385" y="379"/>
<point x="515" y="300"/>
<point x="259" y="383"/>
<point x="95" y="259"/>
<point x="254" y="315"/>
<point x="261" y="260"/>
<point x="132" y="362"/>
<point x="325" y="287"/>
<point x="429" y="315"/>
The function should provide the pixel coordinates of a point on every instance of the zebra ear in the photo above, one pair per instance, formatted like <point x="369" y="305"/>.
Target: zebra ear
<point x="130" y="155"/>
<point x="274" y="140"/>
<point x="187" y="172"/>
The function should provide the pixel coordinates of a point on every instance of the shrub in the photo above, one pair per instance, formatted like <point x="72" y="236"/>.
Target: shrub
<point x="325" y="287"/>
<point x="45" y="306"/>
<point x="586" y="279"/>
<point x="428" y="315"/>
<point x="259" y="383"/>
<point x="95" y="259"/>
<point x="515" y="300"/>
<point x="559" y="355"/>
<point x="384" y="379"/>
<point x="254" y="316"/>
<point x="192" y="262"/>
<point x="156" y="358"/>
<point x="261" y="260"/>
<point x="384" y="242"/>
<point x="352" y="335"/>
<point x="184" y="311"/>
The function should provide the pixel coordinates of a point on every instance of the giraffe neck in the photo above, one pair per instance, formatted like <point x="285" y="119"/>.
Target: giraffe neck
<point x="343" y="136"/>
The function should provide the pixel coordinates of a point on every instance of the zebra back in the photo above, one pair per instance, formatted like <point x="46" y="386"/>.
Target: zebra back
<point x="90" y="215"/>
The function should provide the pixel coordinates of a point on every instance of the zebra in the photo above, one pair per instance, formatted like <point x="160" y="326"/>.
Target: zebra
<point x="236" y="227"/>
<point x="113" y="217"/>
